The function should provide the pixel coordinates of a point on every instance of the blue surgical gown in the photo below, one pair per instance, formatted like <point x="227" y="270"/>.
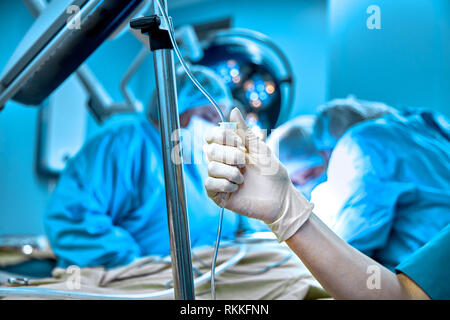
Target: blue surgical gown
<point x="429" y="267"/>
<point x="388" y="187"/>
<point x="109" y="204"/>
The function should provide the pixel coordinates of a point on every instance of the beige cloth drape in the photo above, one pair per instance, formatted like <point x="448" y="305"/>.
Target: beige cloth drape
<point x="290" y="280"/>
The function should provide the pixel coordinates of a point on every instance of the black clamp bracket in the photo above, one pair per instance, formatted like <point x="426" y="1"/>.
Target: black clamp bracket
<point x="158" y="38"/>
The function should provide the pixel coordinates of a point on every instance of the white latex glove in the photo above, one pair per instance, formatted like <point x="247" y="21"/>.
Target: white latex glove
<point x="257" y="184"/>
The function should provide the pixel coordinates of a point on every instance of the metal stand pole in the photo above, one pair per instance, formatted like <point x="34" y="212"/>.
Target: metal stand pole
<point x="173" y="170"/>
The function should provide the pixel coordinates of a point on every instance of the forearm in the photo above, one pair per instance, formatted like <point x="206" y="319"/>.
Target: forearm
<point x="265" y="192"/>
<point x="343" y="271"/>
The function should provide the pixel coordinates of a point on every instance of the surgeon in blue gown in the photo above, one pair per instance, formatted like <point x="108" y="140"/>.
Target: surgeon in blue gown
<point x="388" y="180"/>
<point x="293" y="144"/>
<point x="109" y="205"/>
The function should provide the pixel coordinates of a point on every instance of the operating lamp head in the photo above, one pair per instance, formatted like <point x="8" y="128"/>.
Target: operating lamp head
<point x="256" y="72"/>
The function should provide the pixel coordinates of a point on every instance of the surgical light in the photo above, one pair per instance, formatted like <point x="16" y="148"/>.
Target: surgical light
<point x="256" y="71"/>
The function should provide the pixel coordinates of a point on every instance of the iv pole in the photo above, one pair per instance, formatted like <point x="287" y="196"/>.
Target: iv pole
<point x="162" y="49"/>
<point x="177" y="215"/>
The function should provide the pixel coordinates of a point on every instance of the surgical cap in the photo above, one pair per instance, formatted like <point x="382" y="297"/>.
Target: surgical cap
<point x="338" y="115"/>
<point x="189" y="96"/>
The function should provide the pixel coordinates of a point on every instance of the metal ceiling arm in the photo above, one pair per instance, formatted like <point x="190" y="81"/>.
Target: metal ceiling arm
<point x="100" y="104"/>
<point x="130" y="98"/>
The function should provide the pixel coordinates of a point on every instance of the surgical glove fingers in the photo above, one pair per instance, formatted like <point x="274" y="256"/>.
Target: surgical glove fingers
<point x="246" y="134"/>
<point x="224" y="136"/>
<point x="219" y="185"/>
<point x="222" y="170"/>
<point x="236" y="116"/>
<point x="225" y="154"/>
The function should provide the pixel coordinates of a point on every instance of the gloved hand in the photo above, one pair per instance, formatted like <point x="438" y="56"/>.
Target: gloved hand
<point x="257" y="184"/>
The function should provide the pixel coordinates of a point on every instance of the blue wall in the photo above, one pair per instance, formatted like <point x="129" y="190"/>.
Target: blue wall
<point x="405" y="63"/>
<point x="22" y="195"/>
